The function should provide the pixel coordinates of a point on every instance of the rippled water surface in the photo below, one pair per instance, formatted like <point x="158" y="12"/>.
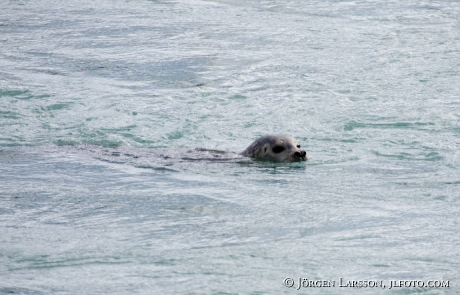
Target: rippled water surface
<point x="101" y="103"/>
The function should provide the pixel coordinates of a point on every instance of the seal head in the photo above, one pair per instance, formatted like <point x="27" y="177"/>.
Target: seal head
<point x="276" y="148"/>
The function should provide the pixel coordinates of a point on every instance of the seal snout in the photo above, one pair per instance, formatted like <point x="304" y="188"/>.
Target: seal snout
<point x="300" y="155"/>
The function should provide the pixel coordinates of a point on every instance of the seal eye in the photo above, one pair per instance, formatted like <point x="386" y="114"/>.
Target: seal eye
<point x="278" y="149"/>
<point x="298" y="146"/>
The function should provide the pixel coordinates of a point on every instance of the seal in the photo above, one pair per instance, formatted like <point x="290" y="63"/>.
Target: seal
<point x="277" y="148"/>
<point x="274" y="148"/>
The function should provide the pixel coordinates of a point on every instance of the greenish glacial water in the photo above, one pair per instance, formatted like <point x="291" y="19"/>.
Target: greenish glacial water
<point x="93" y="93"/>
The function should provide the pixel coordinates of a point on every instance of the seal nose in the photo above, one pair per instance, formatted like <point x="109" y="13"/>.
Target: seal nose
<point x="300" y="154"/>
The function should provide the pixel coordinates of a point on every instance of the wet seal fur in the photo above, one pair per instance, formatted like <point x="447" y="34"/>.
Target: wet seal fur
<point x="273" y="148"/>
<point x="276" y="148"/>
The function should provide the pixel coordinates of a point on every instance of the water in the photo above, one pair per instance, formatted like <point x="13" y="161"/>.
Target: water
<point x="369" y="88"/>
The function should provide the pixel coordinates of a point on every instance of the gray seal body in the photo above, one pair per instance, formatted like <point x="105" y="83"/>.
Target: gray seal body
<point x="277" y="148"/>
